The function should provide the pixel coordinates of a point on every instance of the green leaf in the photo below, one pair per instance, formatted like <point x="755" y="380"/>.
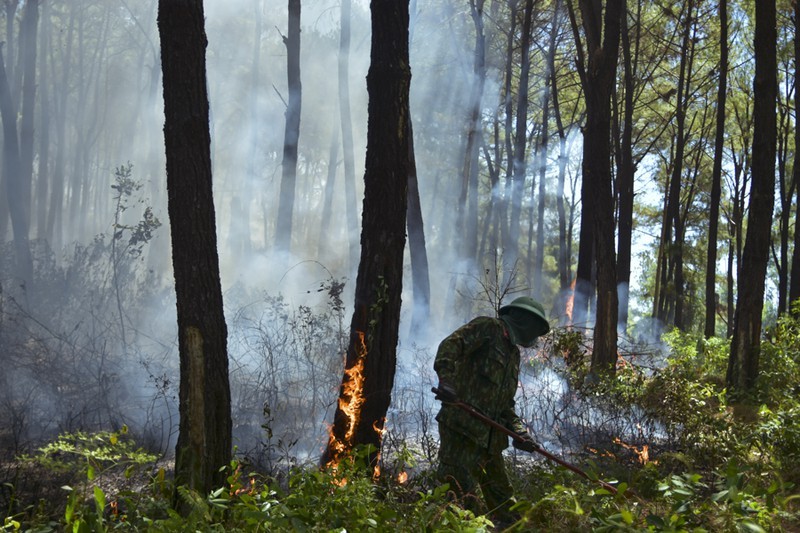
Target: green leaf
<point x="99" y="499"/>
<point x="747" y="525"/>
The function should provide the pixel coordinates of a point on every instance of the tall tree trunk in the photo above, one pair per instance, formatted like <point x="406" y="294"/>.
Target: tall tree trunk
<point x="519" y="161"/>
<point x="55" y="215"/>
<point x="323" y="245"/>
<point x="786" y="189"/>
<point x="746" y="341"/>
<point x="371" y="353"/>
<point x="602" y="45"/>
<point x="716" y="176"/>
<point x="626" y="170"/>
<point x="283" y="229"/>
<point x="204" y="438"/>
<point x="28" y="34"/>
<point x="43" y="177"/>
<point x="794" y="283"/>
<point x="583" y="290"/>
<point x="420" y="280"/>
<point x="467" y="210"/>
<point x="564" y="252"/>
<point x="14" y="186"/>
<point x="673" y="290"/>
<point x="351" y="204"/>
<point x="240" y="240"/>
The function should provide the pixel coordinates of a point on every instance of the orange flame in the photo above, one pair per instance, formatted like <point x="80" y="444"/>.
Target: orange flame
<point x="350" y="402"/>
<point x="402" y="477"/>
<point x="643" y="454"/>
<point x="570" y="302"/>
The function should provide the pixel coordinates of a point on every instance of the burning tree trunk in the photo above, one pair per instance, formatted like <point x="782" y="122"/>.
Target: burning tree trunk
<point x="368" y="378"/>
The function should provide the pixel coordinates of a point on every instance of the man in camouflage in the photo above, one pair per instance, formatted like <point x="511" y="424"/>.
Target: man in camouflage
<point x="478" y="364"/>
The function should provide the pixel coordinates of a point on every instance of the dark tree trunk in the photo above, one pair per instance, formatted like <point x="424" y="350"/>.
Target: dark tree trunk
<point x="625" y="177"/>
<point x="416" y="245"/>
<point x="716" y="176"/>
<point x="672" y="286"/>
<point x="746" y="341"/>
<point x="602" y="46"/>
<point x="283" y="229"/>
<point x="376" y="316"/>
<point x="794" y="283"/>
<point x="204" y="438"/>
<point x="786" y="193"/>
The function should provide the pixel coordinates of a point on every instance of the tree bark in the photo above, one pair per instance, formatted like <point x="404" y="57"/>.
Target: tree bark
<point x="518" y="158"/>
<point x="283" y="229"/>
<point x="625" y="176"/>
<point x="716" y="177"/>
<point x="746" y="342"/>
<point x="204" y="438"/>
<point x="602" y="46"/>
<point x="371" y="351"/>
<point x="28" y="34"/>
<point x="467" y="210"/>
<point x="794" y="282"/>
<point x="15" y="189"/>
<point x="420" y="280"/>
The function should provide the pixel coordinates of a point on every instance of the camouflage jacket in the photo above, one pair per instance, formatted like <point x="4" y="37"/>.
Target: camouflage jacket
<point x="482" y="363"/>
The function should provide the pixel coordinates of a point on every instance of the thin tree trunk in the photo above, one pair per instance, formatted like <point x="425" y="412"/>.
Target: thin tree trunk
<point x="351" y="205"/>
<point x="416" y="245"/>
<point x="43" y="178"/>
<point x="467" y="210"/>
<point x="716" y="177"/>
<point x="519" y="161"/>
<point x="14" y="186"/>
<point x="794" y="283"/>
<point x="283" y="228"/>
<point x="625" y="176"/>
<point x="28" y="33"/>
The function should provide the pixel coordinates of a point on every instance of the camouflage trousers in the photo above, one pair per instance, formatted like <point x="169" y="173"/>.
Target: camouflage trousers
<point x="466" y="466"/>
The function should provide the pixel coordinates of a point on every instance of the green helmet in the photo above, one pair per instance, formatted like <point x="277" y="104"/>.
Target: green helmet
<point x="526" y="303"/>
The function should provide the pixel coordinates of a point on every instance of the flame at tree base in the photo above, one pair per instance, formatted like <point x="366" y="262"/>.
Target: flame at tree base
<point x="351" y="403"/>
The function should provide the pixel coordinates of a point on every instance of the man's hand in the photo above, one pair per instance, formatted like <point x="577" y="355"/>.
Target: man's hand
<point x="447" y="393"/>
<point x="525" y="442"/>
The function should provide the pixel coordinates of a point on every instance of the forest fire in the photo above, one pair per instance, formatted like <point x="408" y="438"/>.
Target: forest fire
<point x="351" y="400"/>
<point x="643" y="454"/>
<point x="570" y="303"/>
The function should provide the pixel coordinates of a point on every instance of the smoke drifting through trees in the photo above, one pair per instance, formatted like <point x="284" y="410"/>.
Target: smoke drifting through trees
<point x="65" y="362"/>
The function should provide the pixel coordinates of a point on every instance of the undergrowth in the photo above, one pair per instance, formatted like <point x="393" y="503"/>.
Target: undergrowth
<point x="711" y="466"/>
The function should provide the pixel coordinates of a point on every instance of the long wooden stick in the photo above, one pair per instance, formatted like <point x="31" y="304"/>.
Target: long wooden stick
<point x="493" y="423"/>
